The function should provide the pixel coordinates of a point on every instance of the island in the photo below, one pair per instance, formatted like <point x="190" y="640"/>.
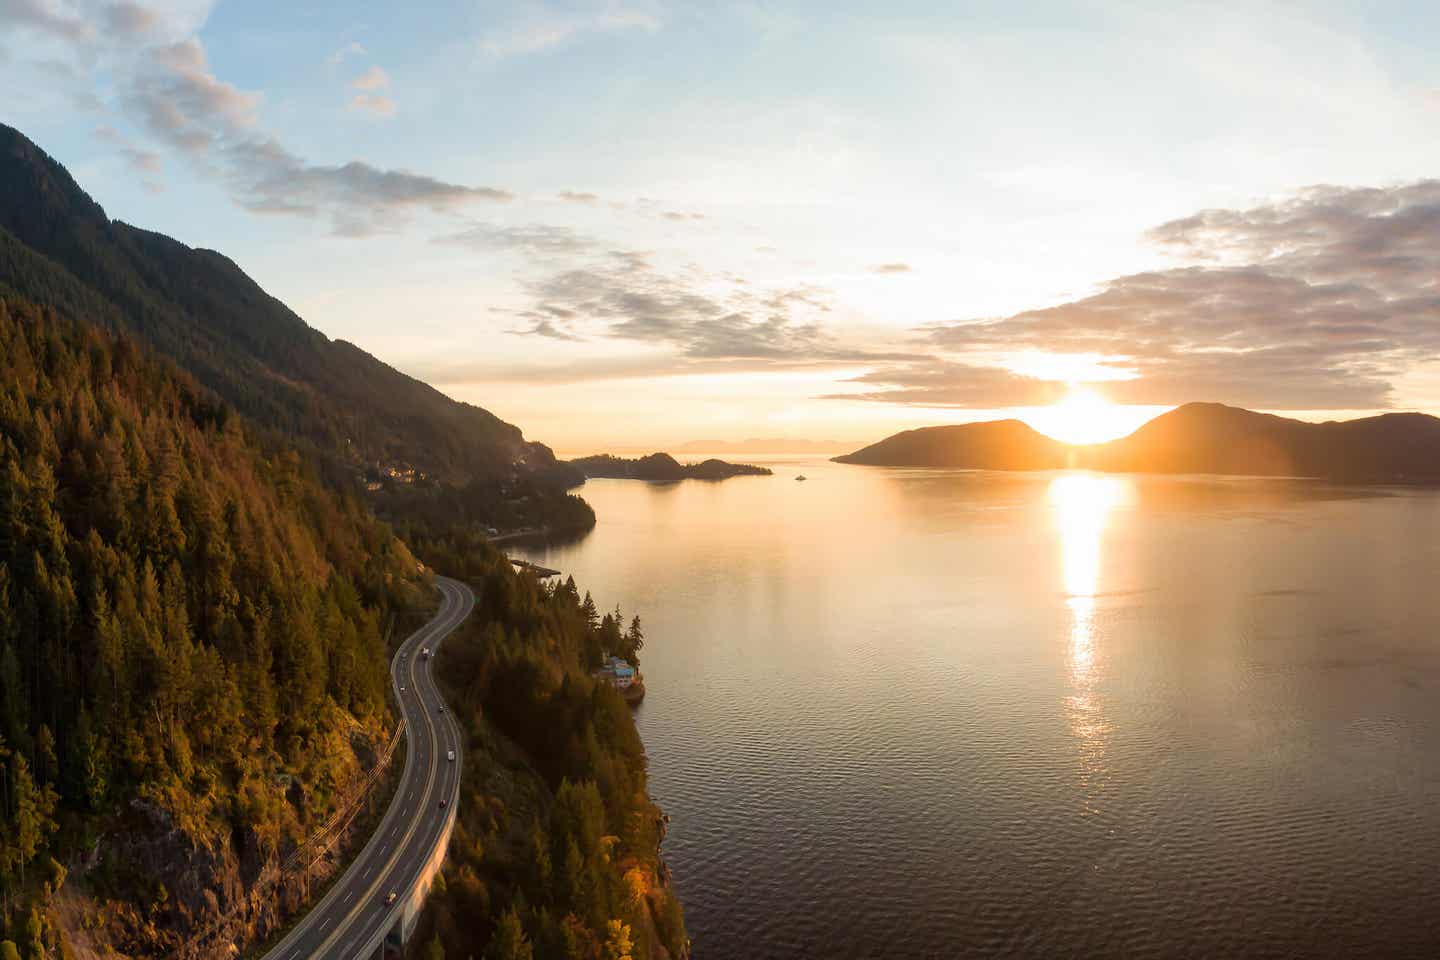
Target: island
<point x="1194" y="438"/>
<point x="663" y="468"/>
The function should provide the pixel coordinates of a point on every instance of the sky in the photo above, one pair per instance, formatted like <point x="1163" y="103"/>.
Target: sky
<point x="639" y="224"/>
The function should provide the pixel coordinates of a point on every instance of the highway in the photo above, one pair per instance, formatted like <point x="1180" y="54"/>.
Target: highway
<point x="355" y="914"/>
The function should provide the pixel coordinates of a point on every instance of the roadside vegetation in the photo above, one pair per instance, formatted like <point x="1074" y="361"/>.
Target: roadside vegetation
<point x="191" y="639"/>
<point x="556" y="849"/>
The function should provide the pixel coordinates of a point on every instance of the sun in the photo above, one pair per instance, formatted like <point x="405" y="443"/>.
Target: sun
<point x="1084" y="416"/>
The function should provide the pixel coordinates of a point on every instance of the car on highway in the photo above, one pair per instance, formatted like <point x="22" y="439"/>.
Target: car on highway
<point x="450" y="755"/>
<point x="442" y="708"/>
<point x="442" y="804"/>
<point x="390" y="898"/>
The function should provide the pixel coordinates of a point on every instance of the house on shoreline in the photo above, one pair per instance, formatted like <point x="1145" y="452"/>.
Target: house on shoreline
<point x="623" y="677"/>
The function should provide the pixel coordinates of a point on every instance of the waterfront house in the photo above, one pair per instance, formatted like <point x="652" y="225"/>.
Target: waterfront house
<point x="618" y="672"/>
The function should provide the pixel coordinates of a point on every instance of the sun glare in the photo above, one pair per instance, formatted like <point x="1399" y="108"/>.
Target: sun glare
<point x="1084" y="416"/>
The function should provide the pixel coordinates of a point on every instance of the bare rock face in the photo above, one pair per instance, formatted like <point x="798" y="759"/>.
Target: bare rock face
<point x="151" y="888"/>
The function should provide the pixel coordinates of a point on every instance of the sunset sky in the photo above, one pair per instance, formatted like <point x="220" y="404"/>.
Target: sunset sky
<point x="640" y="224"/>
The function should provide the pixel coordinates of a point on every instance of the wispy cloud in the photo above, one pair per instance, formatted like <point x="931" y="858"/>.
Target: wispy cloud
<point x="352" y="49"/>
<point x="545" y="327"/>
<point x="537" y="241"/>
<point x="165" y="88"/>
<point x="181" y="102"/>
<point x="572" y="196"/>
<point x="142" y="161"/>
<point x="891" y="268"/>
<point x="704" y="318"/>
<point x="545" y="28"/>
<point x="43" y="17"/>
<point x="1321" y="301"/>
<point x="943" y="383"/>
<point x="372" y="79"/>
<point x="374" y="96"/>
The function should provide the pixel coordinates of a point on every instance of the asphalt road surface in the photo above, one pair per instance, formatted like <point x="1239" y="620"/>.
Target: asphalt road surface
<point x="355" y="910"/>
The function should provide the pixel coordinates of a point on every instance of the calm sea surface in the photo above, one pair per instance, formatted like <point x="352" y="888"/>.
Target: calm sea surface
<point x="901" y="713"/>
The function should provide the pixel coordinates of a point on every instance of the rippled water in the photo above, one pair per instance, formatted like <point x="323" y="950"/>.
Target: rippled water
<point x="931" y="714"/>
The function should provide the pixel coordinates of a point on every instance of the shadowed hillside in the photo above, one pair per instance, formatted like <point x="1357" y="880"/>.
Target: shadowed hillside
<point x="57" y="247"/>
<point x="1194" y="438"/>
<point x="995" y="445"/>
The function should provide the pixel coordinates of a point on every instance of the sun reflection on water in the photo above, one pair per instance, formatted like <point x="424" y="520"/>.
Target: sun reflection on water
<point x="1082" y="503"/>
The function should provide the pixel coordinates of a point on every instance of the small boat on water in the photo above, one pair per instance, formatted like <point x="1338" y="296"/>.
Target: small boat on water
<point x="800" y="477"/>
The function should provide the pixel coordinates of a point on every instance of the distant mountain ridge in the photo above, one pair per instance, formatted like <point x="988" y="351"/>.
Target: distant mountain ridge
<point x="1194" y="438"/>
<point x="663" y="468"/>
<point x="58" y="247"/>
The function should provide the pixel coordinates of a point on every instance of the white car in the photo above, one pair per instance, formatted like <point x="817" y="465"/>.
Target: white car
<point x="390" y="898"/>
<point x="450" y="755"/>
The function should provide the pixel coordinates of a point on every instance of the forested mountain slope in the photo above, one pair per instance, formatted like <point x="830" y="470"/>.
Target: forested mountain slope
<point x="192" y="650"/>
<point x="57" y="247"/>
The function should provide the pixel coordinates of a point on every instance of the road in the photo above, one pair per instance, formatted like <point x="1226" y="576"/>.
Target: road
<point x="354" y="912"/>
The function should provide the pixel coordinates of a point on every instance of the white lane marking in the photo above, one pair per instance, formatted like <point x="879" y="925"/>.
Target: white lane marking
<point x="350" y="896"/>
<point x="457" y="615"/>
<point x="326" y="923"/>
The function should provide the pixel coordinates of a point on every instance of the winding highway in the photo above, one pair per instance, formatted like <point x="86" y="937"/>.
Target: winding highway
<point x="356" y="914"/>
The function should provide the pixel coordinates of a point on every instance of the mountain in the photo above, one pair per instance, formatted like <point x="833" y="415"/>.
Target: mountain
<point x="58" y="247"/>
<point x="1194" y="438"/>
<point x="196" y="604"/>
<point x="993" y="445"/>
<point x="663" y="468"/>
<point x="1213" y="438"/>
<point x="193" y="662"/>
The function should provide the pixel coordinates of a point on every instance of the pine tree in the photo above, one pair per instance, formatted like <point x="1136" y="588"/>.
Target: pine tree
<point x="509" y="941"/>
<point x="34" y="810"/>
<point x="617" y="941"/>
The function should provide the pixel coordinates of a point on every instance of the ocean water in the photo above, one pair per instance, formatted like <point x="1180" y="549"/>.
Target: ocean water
<point x="906" y="713"/>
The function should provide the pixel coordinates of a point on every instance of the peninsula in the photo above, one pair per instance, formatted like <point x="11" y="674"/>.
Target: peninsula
<point x="663" y="468"/>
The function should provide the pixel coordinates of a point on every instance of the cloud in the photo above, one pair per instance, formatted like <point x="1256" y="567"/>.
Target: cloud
<point x="891" y="268"/>
<point x="168" y="91"/>
<point x="570" y="196"/>
<point x="351" y="49"/>
<point x="361" y="199"/>
<point x="586" y="370"/>
<point x="676" y="215"/>
<point x="379" y="104"/>
<point x="702" y="317"/>
<point x="130" y="19"/>
<point x="41" y="16"/>
<point x="372" y="79"/>
<point x="1320" y="301"/>
<point x="140" y="160"/>
<point x="536" y="240"/>
<point x="374" y="97"/>
<point x="547" y="328"/>
<point x="180" y="102"/>
<point x="942" y="383"/>
<point x="546" y="29"/>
